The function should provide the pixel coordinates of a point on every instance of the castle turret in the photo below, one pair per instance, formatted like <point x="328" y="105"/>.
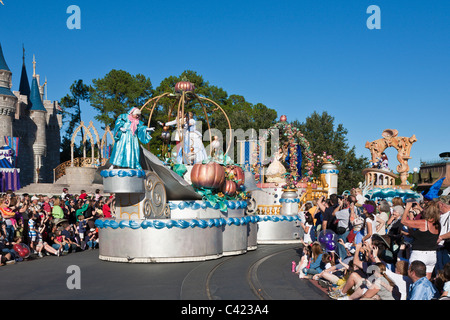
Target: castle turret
<point x="7" y="100"/>
<point x="38" y="114"/>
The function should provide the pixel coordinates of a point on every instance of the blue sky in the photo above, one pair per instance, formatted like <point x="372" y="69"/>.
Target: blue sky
<point x="296" y="57"/>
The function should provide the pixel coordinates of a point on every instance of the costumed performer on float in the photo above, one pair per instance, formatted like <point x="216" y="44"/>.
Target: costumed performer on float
<point x="128" y="131"/>
<point x="276" y="170"/>
<point x="191" y="139"/>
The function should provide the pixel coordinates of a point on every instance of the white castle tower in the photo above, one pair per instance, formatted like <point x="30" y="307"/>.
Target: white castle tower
<point x="7" y="100"/>
<point x="38" y="114"/>
<point x="36" y="122"/>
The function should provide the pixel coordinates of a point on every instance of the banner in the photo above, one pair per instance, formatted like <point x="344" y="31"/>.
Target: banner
<point x="13" y="143"/>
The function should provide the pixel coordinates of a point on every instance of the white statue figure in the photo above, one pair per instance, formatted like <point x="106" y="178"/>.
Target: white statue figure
<point x="276" y="169"/>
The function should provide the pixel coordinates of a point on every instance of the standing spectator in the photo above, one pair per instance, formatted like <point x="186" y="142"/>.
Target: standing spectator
<point x="64" y="193"/>
<point x="397" y="201"/>
<point x="425" y="233"/>
<point x="33" y="231"/>
<point x="83" y="195"/>
<point x="394" y="227"/>
<point x="329" y="221"/>
<point x="8" y="219"/>
<point x="82" y="223"/>
<point x="369" y="223"/>
<point x="359" y="197"/>
<point x="107" y="207"/>
<point x="97" y="194"/>
<point x="342" y="213"/>
<point x="46" y="205"/>
<point x="308" y="231"/>
<point x="382" y="217"/>
<point x="443" y="252"/>
<point x="422" y="288"/>
<point x="71" y="209"/>
<point x="57" y="211"/>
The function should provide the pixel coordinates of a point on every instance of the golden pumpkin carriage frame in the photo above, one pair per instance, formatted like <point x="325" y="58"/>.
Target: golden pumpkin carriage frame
<point x="184" y="92"/>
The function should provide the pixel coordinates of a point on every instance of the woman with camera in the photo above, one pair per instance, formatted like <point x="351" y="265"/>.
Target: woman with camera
<point x="425" y="232"/>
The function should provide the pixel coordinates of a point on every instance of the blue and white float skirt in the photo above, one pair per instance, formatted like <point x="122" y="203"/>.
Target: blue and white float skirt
<point x="148" y="228"/>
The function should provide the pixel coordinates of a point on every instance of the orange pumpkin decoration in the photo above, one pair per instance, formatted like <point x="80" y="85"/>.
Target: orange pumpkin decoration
<point x="229" y="188"/>
<point x="237" y="173"/>
<point x="210" y="175"/>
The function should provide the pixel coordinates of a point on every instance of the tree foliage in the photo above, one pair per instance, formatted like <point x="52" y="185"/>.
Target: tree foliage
<point x="323" y="135"/>
<point x="71" y="106"/>
<point x="241" y="113"/>
<point x="119" y="91"/>
<point x="116" y="93"/>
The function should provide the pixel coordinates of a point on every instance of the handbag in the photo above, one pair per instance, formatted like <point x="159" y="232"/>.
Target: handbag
<point x="340" y="230"/>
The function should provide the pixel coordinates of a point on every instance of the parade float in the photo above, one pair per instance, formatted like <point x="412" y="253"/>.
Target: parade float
<point x="286" y="180"/>
<point x="380" y="181"/>
<point x="188" y="207"/>
<point x="194" y="203"/>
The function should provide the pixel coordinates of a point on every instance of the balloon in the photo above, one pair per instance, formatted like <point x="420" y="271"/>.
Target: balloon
<point x="330" y="246"/>
<point x="328" y="240"/>
<point x="22" y="250"/>
<point x="17" y="247"/>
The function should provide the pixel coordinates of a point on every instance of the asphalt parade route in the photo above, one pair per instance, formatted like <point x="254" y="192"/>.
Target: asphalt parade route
<point x="261" y="274"/>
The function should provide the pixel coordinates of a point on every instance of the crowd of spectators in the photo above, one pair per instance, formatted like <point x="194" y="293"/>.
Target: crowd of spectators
<point x="50" y="225"/>
<point x="385" y="250"/>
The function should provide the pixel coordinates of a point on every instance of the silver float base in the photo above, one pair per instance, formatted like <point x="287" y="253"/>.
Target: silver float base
<point x="160" y="245"/>
<point x="279" y="232"/>
<point x="135" y="244"/>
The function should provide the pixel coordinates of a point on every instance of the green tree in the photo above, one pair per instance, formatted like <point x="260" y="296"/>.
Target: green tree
<point x="71" y="106"/>
<point x="323" y="135"/>
<point x="241" y="113"/>
<point x="116" y="93"/>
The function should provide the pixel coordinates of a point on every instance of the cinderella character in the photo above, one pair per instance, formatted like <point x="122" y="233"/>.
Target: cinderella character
<point x="192" y="151"/>
<point x="127" y="131"/>
<point x="276" y="170"/>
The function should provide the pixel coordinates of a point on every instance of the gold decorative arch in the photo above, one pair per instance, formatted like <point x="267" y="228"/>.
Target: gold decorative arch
<point x="87" y="133"/>
<point x="104" y="141"/>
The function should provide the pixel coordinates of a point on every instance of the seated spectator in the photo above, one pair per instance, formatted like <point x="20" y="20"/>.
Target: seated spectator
<point x="92" y="238"/>
<point x="316" y="266"/>
<point x="379" y="286"/>
<point x="446" y="280"/>
<point x="401" y="279"/>
<point x="68" y="235"/>
<point x="422" y="288"/>
<point x="356" y="280"/>
<point x="336" y="275"/>
<point x="304" y="261"/>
